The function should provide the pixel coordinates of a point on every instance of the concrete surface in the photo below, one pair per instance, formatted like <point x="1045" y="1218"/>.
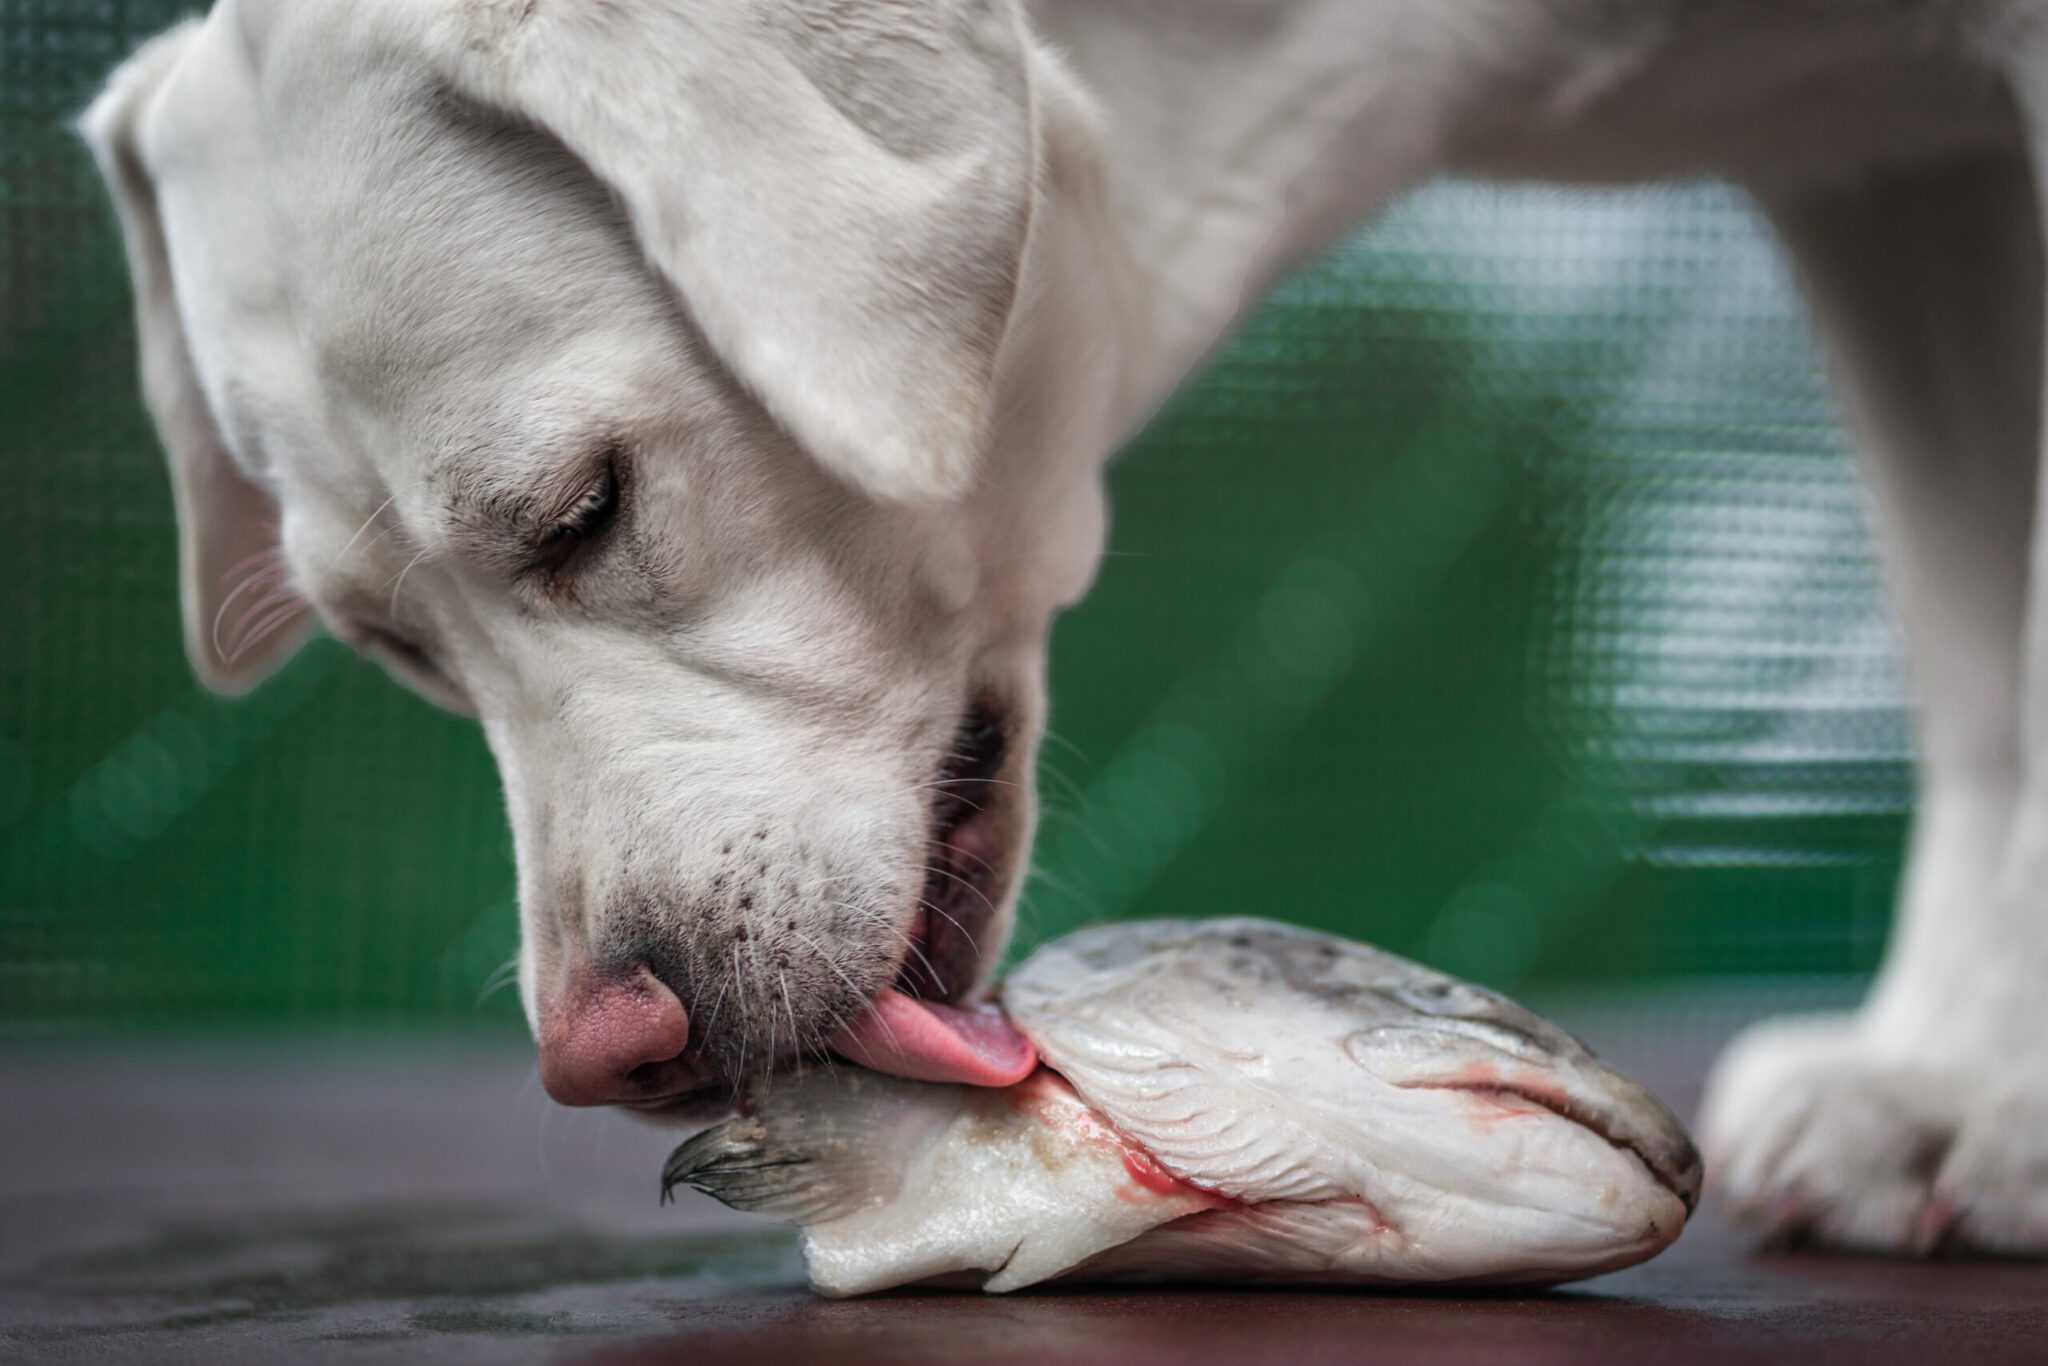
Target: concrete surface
<point x="180" y="1201"/>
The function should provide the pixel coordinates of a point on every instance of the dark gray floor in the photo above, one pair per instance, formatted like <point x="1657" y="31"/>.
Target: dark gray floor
<point x="356" y="1203"/>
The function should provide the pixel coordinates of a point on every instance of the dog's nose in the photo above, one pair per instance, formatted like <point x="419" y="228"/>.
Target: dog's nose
<point x="606" y="1041"/>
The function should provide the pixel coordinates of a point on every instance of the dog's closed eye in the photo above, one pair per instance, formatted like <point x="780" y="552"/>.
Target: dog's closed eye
<point x="581" y="523"/>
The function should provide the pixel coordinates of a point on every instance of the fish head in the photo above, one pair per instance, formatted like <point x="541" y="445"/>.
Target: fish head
<point x="1476" y="1133"/>
<point x="1488" y="1121"/>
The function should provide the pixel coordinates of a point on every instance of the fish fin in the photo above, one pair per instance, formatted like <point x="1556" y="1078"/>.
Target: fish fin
<point x="816" y="1147"/>
<point x="741" y="1164"/>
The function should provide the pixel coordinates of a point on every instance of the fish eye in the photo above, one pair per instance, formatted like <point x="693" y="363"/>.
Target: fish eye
<point x="1440" y="997"/>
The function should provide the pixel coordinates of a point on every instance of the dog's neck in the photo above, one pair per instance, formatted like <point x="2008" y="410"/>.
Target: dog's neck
<point x="1237" y="138"/>
<point x="1218" y="149"/>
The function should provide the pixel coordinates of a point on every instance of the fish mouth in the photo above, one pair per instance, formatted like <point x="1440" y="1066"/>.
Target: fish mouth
<point x="1630" y="1119"/>
<point x="924" y="1025"/>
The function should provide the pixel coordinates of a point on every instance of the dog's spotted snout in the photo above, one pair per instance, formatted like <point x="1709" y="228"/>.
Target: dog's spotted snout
<point x="615" y="1039"/>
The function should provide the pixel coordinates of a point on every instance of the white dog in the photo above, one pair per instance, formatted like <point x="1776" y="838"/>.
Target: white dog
<point x="712" y="397"/>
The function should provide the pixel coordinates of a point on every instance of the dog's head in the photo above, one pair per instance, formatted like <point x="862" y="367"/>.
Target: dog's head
<point x="697" y="393"/>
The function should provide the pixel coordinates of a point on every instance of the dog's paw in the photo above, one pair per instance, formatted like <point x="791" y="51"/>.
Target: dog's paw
<point x="1813" y="1138"/>
<point x="1993" y="1184"/>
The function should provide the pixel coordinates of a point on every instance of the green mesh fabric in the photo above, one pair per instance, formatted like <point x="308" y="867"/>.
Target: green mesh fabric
<point x="1500" y="594"/>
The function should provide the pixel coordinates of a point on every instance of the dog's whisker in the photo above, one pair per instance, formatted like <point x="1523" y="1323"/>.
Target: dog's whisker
<point x="266" y="628"/>
<point x="717" y="1005"/>
<point x="830" y="965"/>
<point x="267" y="564"/>
<point x="1063" y="779"/>
<point x="878" y="919"/>
<point x="398" y="582"/>
<point x="342" y="553"/>
<point x="1049" y="733"/>
<point x="501" y="977"/>
<point x="942" y="872"/>
<point x="740" y="994"/>
<point x="795" y="1035"/>
<point x="1087" y="901"/>
<point x="965" y="782"/>
<point x="261" y="607"/>
<point x="965" y="933"/>
<point x="1026" y="915"/>
<point x="271" y="554"/>
<point x="918" y="953"/>
<point x="378" y="539"/>
<point x="1086" y="829"/>
<point x="934" y="846"/>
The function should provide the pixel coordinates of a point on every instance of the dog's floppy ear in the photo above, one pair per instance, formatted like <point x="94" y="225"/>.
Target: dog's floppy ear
<point x="241" y="621"/>
<point x="838" y="190"/>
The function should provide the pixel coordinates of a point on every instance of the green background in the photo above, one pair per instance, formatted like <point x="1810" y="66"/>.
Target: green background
<point x="1500" y="594"/>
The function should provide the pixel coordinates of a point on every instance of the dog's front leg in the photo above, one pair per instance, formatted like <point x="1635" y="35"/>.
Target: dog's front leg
<point x="1922" y="1119"/>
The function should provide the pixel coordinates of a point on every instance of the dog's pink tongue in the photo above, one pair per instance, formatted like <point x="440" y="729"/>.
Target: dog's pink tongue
<point x="929" y="1042"/>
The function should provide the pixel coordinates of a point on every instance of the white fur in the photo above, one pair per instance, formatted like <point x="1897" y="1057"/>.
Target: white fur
<point x="868" y="290"/>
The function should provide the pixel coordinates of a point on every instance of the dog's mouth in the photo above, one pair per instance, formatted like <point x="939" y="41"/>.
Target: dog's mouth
<point x="956" y="903"/>
<point x="924" y="1026"/>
